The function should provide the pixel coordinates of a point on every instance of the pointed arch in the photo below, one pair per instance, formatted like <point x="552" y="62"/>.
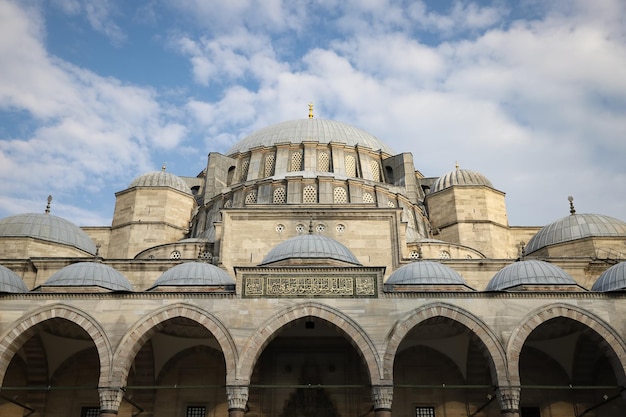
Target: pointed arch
<point x="14" y="338"/>
<point x="609" y="340"/>
<point x="270" y="329"/>
<point x="145" y="328"/>
<point x="490" y="345"/>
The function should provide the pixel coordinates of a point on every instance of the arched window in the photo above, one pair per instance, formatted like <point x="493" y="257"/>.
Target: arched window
<point x="375" y="170"/>
<point x="279" y="196"/>
<point x="269" y="165"/>
<point x="350" y="166"/>
<point x="340" y="196"/>
<point x="296" y="161"/>
<point x="309" y="194"/>
<point x="323" y="162"/>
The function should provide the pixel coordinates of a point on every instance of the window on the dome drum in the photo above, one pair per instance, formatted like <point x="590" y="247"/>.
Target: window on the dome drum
<point x="340" y="196"/>
<point x="375" y="170"/>
<point x="323" y="162"/>
<point x="309" y="194"/>
<point x="368" y="198"/>
<point x="296" y="161"/>
<point x="269" y="165"/>
<point x="279" y="196"/>
<point x="350" y="166"/>
<point x="251" y="198"/>
<point x="244" y="169"/>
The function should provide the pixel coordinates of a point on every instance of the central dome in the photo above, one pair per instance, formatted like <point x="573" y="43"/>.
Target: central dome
<point x="309" y="130"/>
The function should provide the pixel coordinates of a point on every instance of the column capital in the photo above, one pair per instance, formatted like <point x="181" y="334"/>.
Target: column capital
<point x="237" y="397"/>
<point x="110" y="400"/>
<point x="508" y="397"/>
<point x="382" y="396"/>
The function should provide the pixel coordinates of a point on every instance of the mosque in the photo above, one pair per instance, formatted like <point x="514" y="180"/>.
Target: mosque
<point x="311" y="271"/>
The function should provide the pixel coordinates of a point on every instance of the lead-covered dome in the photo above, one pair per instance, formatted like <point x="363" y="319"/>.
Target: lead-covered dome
<point x="161" y="179"/>
<point x="10" y="281"/>
<point x="194" y="274"/>
<point x="531" y="272"/>
<point x="309" y="130"/>
<point x="310" y="247"/>
<point x="613" y="279"/>
<point x="425" y="273"/>
<point x="460" y="177"/>
<point x="576" y="226"/>
<point x="44" y="226"/>
<point x="89" y="274"/>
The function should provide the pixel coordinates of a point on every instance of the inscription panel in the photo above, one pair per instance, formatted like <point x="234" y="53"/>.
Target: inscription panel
<point x="294" y="285"/>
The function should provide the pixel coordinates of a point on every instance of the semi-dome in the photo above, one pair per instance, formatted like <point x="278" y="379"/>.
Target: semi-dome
<point x="10" y="281"/>
<point x="613" y="279"/>
<point x="194" y="274"/>
<point x="530" y="272"/>
<point x="310" y="247"/>
<point x="89" y="274"/>
<point x="460" y="177"/>
<point x="309" y="130"/>
<point x="425" y="273"/>
<point x="44" y="226"/>
<point x="576" y="226"/>
<point x="161" y="179"/>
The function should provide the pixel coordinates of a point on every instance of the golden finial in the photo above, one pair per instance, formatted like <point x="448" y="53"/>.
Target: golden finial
<point x="310" y="110"/>
<point x="48" y="206"/>
<point x="572" y="210"/>
<point x="456" y="164"/>
<point x="163" y="166"/>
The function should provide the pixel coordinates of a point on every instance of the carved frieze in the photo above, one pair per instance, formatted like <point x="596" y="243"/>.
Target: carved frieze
<point x="307" y="286"/>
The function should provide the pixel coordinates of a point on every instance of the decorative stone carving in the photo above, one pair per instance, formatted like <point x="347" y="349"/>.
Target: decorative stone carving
<point x="237" y="397"/>
<point x="382" y="396"/>
<point x="508" y="397"/>
<point x="285" y="285"/>
<point x="110" y="400"/>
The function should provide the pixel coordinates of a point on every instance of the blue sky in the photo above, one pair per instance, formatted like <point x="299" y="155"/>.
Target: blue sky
<point x="530" y="93"/>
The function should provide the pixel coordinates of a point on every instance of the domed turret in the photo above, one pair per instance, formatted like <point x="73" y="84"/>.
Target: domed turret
<point x="11" y="282"/>
<point x="424" y="273"/>
<point x="531" y="272"/>
<point x="89" y="274"/>
<point x="613" y="279"/>
<point x="48" y="228"/>
<point x="310" y="247"/>
<point x="196" y="274"/>
<point x="161" y="179"/>
<point x="460" y="177"/>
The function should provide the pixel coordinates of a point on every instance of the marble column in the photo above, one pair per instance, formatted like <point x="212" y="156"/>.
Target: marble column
<point x="110" y="400"/>
<point x="237" y="400"/>
<point x="508" y="398"/>
<point x="383" y="397"/>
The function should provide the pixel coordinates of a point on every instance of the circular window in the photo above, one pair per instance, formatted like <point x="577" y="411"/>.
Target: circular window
<point x="340" y="228"/>
<point x="444" y="254"/>
<point x="175" y="255"/>
<point x="206" y="255"/>
<point x="300" y="228"/>
<point x="280" y="228"/>
<point x="414" y="254"/>
<point x="320" y="228"/>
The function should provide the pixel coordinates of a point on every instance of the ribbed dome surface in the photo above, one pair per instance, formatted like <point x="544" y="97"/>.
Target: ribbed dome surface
<point x="310" y="247"/>
<point x="309" y="130"/>
<point x="194" y="274"/>
<point x="47" y="227"/>
<point x="460" y="177"/>
<point x="89" y="274"/>
<point x="10" y="281"/>
<point x="161" y="179"/>
<point x="576" y="226"/>
<point x="529" y="272"/>
<point x="613" y="279"/>
<point x="425" y="273"/>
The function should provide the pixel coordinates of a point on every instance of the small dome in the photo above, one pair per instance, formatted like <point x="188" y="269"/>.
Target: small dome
<point x="47" y="227"/>
<point x="310" y="247"/>
<point x="425" y="273"/>
<point x="161" y="179"/>
<point x="529" y="272"/>
<point x="89" y="274"/>
<point x="460" y="177"/>
<point x="613" y="279"/>
<point x="576" y="226"/>
<point x="194" y="274"/>
<point x="309" y="130"/>
<point x="10" y="281"/>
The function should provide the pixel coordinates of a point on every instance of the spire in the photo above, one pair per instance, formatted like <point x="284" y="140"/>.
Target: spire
<point x="310" y="110"/>
<point x="456" y="164"/>
<point x="48" y="206"/>
<point x="572" y="210"/>
<point x="163" y="166"/>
